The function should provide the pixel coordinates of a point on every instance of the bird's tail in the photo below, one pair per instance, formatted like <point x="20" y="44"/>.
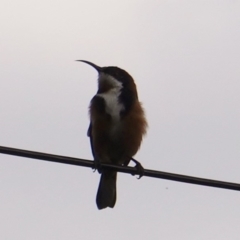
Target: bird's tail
<point x="107" y="191"/>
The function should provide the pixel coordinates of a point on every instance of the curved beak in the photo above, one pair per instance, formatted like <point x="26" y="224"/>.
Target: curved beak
<point x="99" y="69"/>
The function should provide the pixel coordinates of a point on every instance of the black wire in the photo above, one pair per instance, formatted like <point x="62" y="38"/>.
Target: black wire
<point x="131" y="170"/>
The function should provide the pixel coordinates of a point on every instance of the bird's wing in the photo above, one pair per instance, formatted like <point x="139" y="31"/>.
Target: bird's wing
<point x="97" y="107"/>
<point x="89" y="133"/>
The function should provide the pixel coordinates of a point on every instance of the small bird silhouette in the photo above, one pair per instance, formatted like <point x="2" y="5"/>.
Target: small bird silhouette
<point x="117" y="126"/>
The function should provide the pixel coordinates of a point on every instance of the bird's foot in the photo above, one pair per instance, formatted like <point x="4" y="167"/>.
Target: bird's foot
<point x="139" y="167"/>
<point x="97" y="166"/>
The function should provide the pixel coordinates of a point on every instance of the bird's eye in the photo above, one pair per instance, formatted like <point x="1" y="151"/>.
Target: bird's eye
<point x="117" y="76"/>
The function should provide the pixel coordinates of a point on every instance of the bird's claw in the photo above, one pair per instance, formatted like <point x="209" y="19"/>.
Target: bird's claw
<point x="139" y="168"/>
<point x="97" y="166"/>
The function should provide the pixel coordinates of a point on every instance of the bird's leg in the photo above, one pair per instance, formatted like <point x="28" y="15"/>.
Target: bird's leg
<point x="97" y="165"/>
<point x="138" y="166"/>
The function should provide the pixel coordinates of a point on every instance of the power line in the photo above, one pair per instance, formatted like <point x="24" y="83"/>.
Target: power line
<point x="131" y="170"/>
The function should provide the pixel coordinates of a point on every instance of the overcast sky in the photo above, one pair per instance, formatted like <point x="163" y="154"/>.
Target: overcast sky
<point x="184" y="57"/>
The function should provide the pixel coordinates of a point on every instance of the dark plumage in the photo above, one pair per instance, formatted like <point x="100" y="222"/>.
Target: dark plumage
<point x="117" y="126"/>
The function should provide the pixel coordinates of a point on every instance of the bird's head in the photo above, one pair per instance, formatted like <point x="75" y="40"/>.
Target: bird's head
<point x="114" y="78"/>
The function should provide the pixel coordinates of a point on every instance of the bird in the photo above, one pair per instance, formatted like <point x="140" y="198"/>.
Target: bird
<point x="116" y="129"/>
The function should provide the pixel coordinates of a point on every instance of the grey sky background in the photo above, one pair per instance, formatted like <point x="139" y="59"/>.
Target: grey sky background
<point x="184" y="57"/>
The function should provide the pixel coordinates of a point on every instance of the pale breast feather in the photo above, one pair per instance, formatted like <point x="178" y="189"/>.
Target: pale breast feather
<point x="112" y="105"/>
